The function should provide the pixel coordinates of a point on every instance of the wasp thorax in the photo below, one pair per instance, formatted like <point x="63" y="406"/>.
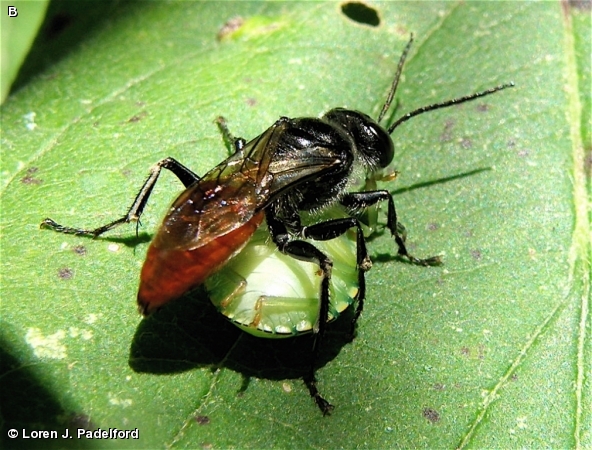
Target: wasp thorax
<point x="371" y="141"/>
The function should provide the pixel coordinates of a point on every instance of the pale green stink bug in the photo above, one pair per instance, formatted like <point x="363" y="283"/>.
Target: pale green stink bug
<point x="269" y="294"/>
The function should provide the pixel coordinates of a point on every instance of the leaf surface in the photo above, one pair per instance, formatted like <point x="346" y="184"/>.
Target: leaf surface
<point x="490" y="350"/>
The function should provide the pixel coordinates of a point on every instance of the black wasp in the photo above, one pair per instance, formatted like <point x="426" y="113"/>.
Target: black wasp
<point x="296" y="165"/>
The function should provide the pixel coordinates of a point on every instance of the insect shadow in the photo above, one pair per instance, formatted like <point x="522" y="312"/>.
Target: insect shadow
<point x="190" y="333"/>
<point x="130" y="241"/>
<point x="390" y="256"/>
<point x="443" y="180"/>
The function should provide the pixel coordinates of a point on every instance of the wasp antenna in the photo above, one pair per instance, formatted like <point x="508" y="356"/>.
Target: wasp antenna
<point x="454" y="101"/>
<point x="395" y="83"/>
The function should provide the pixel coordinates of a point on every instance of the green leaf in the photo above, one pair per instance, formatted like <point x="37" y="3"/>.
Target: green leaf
<point x="490" y="350"/>
<point x="20" y="22"/>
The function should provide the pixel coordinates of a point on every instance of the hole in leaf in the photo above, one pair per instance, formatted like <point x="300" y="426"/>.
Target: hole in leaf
<point x="361" y="13"/>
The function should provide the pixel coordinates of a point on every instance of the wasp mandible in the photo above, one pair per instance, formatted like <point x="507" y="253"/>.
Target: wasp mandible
<point x="296" y="165"/>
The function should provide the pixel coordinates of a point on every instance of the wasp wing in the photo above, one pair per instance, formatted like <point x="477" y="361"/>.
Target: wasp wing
<point x="230" y="195"/>
<point x="223" y="200"/>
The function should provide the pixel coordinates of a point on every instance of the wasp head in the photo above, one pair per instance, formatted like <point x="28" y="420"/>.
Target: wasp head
<point x="372" y="142"/>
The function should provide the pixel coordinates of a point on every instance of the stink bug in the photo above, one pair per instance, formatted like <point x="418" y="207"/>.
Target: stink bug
<point x="269" y="294"/>
<point x="295" y="166"/>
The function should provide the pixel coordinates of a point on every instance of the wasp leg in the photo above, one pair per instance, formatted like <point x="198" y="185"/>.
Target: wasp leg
<point x="332" y="229"/>
<point x="186" y="176"/>
<point x="230" y="140"/>
<point x="305" y="251"/>
<point x="360" y="200"/>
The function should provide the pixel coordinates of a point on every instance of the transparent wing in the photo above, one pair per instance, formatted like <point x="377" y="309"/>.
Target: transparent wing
<point x="229" y="195"/>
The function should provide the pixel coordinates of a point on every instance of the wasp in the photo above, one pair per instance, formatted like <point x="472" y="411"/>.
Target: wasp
<point x="297" y="165"/>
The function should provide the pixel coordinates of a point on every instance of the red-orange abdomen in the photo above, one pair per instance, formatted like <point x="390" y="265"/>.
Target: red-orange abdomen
<point x="168" y="274"/>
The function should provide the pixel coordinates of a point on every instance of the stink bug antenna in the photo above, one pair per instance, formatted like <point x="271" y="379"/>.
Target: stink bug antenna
<point x="391" y="94"/>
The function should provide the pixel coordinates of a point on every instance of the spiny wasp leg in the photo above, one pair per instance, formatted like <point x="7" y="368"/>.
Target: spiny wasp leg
<point x="231" y="142"/>
<point x="305" y="251"/>
<point x="361" y="200"/>
<point x="324" y="405"/>
<point x="332" y="229"/>
<point x="185" y="175"/>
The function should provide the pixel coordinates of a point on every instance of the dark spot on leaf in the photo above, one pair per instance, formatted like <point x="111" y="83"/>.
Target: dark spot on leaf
<point x="361" y="13"/>
<point x="137" y="117"/>
<point x="29" y="178"/>
<point x="466" y="143"/>
<point x="469" y="233"/>
<point x="511" y="143"/>
<point x="433" y="226"/>
<point x="523" y="153"/>
<point x="447" y="133"/>
<point x="514" y="377"/>
<point x="230" y="27"/>
<point x="465" y="351"/>
<point x="481" y="352"/>
<point x="207" y="446"/>
<point x="438" y="386"/>
<point x="476" y="254"/>
<point x="57" y="25"/>
<point x="80" y="250"/>
<point x="65" y="273"/>
<point x="431" y="414"/>
<point x="251" y="101"/>
<point x="482" y="107"/>
<point x="580" y="5"/>
<point x="402" y="30"/>
<point x="202" y="420"/>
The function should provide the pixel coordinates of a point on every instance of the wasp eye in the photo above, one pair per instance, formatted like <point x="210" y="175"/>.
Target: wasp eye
<point x="372" y="142"/>
<point x="378" y="145"/>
